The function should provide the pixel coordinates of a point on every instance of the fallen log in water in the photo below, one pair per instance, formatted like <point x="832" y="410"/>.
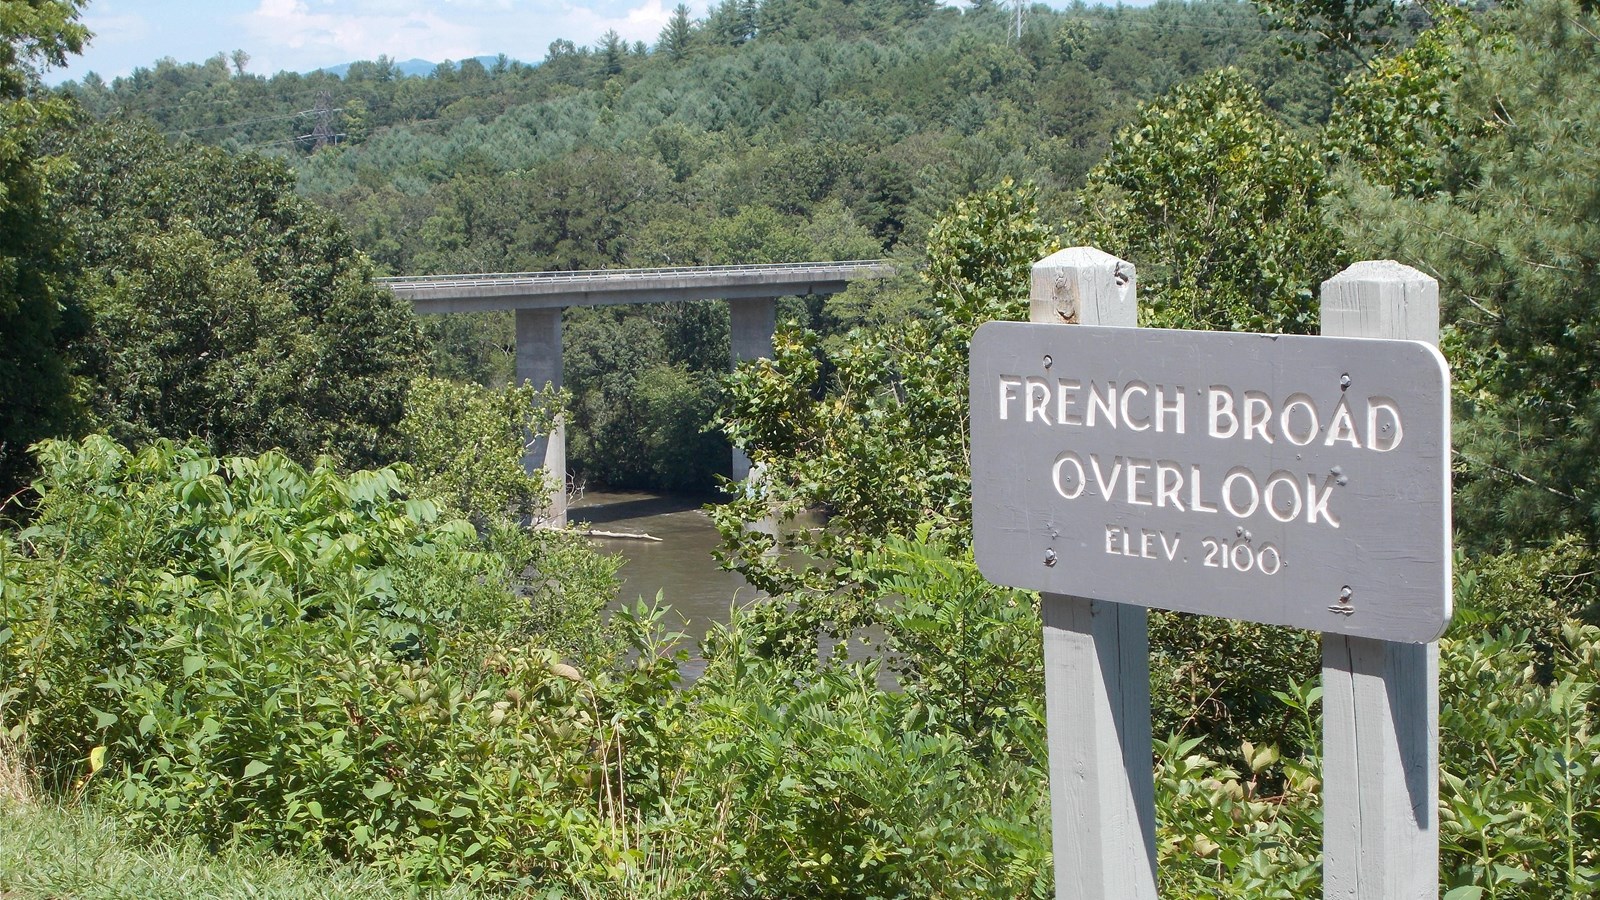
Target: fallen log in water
<point x="625" y="535"/>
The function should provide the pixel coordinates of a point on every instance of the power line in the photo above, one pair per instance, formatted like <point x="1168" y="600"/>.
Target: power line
<point x="241" y="123"/>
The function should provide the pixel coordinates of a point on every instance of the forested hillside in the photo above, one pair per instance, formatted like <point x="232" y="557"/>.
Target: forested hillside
<point x="778" y="131"/>
<point x="267" y="580"/>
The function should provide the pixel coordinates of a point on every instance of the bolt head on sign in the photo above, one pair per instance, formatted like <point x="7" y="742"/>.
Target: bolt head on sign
<point x="1287" y="479"/>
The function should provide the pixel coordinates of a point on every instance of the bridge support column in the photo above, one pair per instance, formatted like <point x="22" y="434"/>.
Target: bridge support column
<point x="751" y="325"/>
<point x="539" y="363"/>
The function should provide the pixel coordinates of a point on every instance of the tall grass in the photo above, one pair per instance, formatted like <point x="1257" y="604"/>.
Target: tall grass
<point x="50" y="851"/>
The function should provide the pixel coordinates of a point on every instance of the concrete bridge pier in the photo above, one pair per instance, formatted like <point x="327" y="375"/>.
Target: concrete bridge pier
<point x="539" y="364"/>
<point x="751" y="325"/>
<point x="539" y="298"/>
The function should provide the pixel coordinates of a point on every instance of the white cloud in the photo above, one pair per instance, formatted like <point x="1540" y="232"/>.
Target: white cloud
<point x="307" y="34"/>
<point x="640" y="23"/>
<point x="291" y="35"/>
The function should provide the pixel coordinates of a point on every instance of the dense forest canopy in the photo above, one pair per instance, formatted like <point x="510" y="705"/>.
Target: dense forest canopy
<point x="265" y="572"/>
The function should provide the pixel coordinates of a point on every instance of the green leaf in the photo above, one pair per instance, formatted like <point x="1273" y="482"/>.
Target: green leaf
<point x="255" y="767"/>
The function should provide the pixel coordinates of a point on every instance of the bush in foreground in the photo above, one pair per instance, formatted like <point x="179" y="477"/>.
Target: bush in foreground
<point x="245" y="648"/>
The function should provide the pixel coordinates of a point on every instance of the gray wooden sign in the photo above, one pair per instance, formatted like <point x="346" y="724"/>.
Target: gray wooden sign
<point x="1294" y="480"/>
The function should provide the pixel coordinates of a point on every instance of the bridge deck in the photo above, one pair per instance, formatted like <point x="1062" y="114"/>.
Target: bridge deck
<point x="550" y="290"/>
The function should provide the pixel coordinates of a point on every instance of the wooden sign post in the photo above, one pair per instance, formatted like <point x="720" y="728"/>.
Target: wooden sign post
<point x="1096" y="660"/>
<point x="1380" y="699"/>
<point x="1295" y="480"/>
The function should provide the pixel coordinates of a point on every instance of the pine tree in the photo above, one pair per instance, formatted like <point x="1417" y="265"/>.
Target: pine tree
<point x="729" y="25"/>
<point x="750" y="18"/>
<point x="612" y="52"/>
<point x="675" y="37"/>
<point x="1512" y="230"/>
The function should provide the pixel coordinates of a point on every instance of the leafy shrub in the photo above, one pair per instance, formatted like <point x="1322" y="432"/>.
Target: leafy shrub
<point x="1223" y="831"/>
<point x="967" y="654"/>
<point x="1218" y="678"/>
<point x="824" y="785"/>
<point x="243" y="648"/>
<point x="1520" y="793"/>
<point x="1535" y="593"/>
<point x="467" y="444"/>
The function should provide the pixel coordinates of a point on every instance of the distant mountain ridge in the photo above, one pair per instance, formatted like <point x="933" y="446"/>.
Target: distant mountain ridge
<point x="419" y="68"/>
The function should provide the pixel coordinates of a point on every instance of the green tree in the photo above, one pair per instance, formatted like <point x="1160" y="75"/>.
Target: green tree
<point x="1218" y="204"/>
<point x="226" y="307"/>
<point x="34" y="35"/>
<point x="467" y="442"/>
<point x="644" y="390"/>
<point x="731" y="22"/>
<point x="1392" y="120"/>
<point x="884" y="447"/>
<point x="37" y="317"/>
<point x="676" y="34"/>
<point x="1340" y="35"/>
<point x="612" y="52"/>
<point x="1511" y="233"/>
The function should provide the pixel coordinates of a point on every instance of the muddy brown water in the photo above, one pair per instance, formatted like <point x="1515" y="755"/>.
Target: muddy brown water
<point x="680" y="566"/>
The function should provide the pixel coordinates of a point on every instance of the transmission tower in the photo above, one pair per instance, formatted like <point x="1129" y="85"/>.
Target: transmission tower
<point x="322" y="135"/>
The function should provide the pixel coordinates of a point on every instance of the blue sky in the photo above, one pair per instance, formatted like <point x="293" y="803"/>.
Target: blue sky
<point x="301" y="35"/>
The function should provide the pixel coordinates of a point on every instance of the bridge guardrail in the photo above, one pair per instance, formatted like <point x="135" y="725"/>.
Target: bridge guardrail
<point x="424" y="282"/>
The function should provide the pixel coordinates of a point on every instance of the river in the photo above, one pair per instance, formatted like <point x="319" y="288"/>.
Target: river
<point x="680" y="566"/>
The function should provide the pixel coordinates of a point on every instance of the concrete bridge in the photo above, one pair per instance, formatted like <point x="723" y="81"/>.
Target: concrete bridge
<point x="539" y="297"/>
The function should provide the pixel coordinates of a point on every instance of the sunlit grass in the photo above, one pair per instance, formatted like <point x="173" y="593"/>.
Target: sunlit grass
<point x="51" y="852"/>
